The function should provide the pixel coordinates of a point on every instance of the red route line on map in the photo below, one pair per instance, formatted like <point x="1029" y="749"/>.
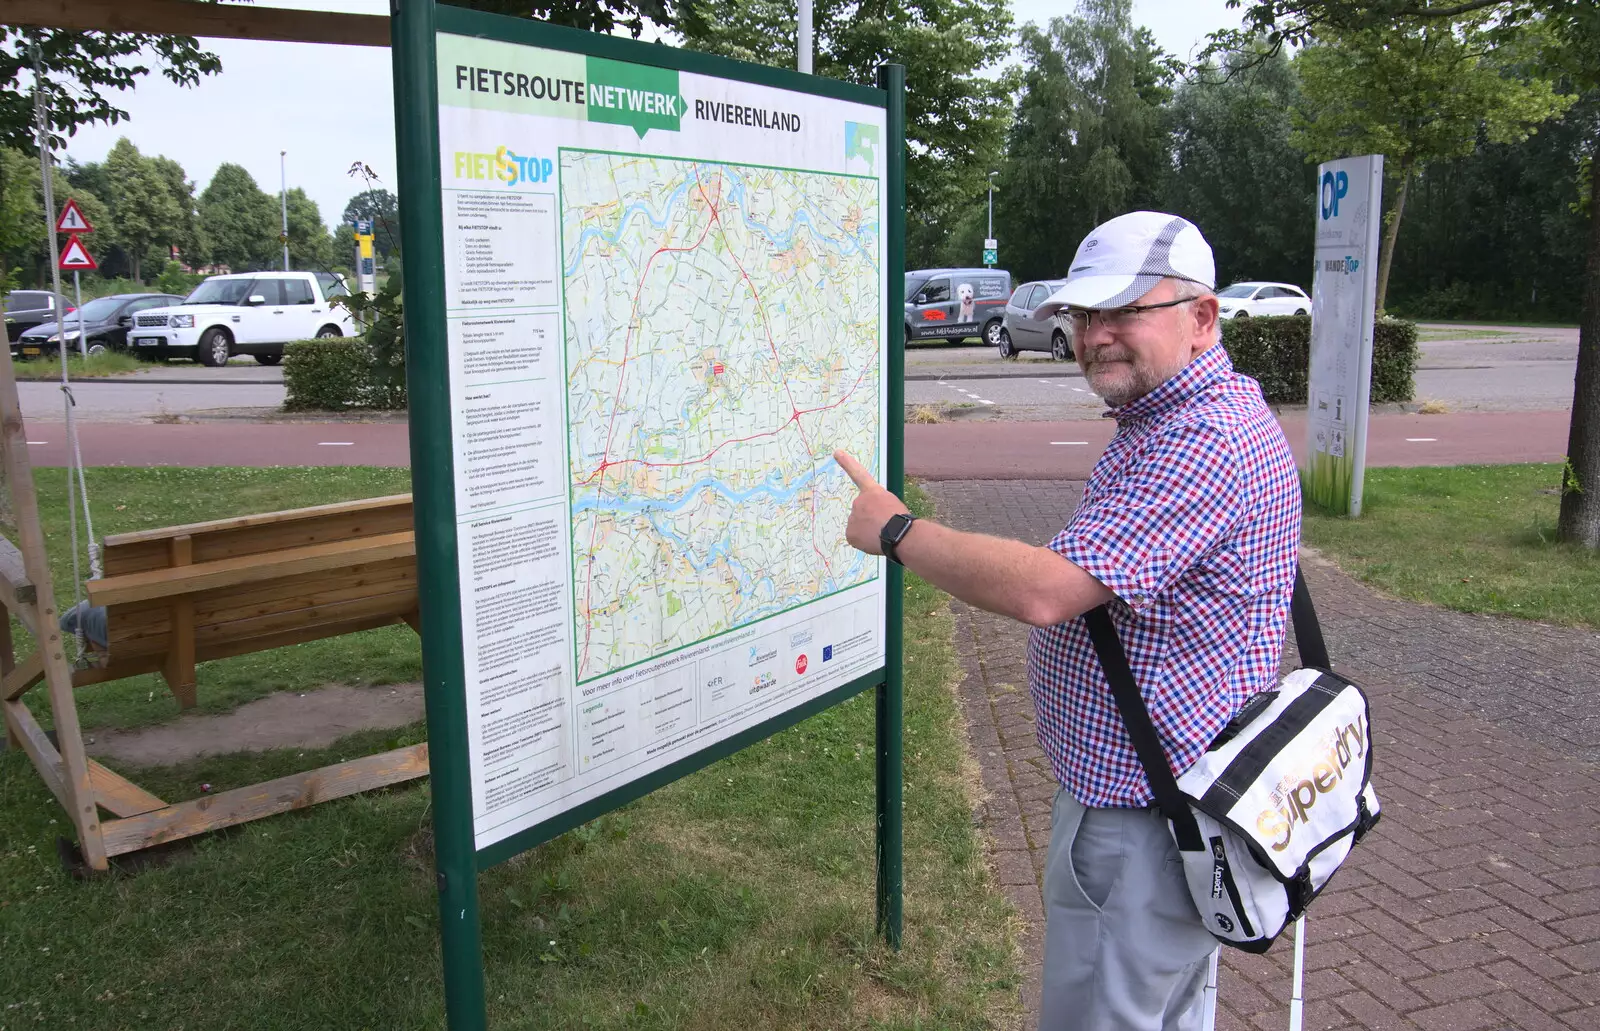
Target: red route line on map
<point x="794" y="419"/>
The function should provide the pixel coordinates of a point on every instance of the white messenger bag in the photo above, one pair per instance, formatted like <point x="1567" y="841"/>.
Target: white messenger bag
<point x="1266" y="815"/>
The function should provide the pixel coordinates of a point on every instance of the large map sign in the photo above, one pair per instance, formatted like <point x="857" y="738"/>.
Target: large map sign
<point x="665" y="299"/>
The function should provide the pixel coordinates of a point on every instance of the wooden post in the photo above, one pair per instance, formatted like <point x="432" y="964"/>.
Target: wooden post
<point x="8" y="662"/>
<point x="179" y="667"/>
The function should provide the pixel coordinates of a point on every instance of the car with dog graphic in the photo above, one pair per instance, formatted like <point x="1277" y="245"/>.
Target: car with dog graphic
<point x="953" y="304"/>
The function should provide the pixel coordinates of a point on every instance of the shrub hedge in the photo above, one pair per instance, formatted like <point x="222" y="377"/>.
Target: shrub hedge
<point x="337" y="374"/>
<point x="1277" y="352"/>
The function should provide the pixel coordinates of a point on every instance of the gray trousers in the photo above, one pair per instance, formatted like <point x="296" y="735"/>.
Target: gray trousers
<point x="1124" y="948"/>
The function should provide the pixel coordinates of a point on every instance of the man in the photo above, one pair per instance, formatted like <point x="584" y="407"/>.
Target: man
<point x="1188" y="532"/>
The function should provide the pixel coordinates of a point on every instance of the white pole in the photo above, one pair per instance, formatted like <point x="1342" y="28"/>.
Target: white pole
<point x="40" y="108"/>
<point x="1297" y="1000"/>
<point x="1209" y="1022"/>
<point x="83" y="338"/>
<point x="283" y="199"/>
<point x="805" y="44"/>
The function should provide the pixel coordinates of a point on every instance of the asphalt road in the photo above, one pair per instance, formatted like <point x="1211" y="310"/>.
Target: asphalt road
<point x="1463" y="368"/>
<point x="958" y="450"/>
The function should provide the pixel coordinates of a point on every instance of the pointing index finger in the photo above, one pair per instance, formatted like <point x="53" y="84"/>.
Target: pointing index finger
<point x="854" y="469"/>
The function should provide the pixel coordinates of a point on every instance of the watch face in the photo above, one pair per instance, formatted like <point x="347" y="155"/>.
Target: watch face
<point x="896" y="527"/>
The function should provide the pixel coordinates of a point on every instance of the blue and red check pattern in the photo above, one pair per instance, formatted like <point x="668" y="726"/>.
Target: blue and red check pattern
<point x="1192" y="518"/>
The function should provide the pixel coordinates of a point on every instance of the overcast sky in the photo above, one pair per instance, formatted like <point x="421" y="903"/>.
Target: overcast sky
<point x="329" y="106"/>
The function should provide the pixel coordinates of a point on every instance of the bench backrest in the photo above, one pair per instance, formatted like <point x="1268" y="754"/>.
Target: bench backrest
<point x="318" y="572"/>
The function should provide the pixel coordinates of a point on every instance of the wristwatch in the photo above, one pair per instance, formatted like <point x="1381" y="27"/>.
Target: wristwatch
<point x="893" y="532"/>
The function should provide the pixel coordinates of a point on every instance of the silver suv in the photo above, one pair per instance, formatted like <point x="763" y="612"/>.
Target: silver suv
<point x="1023" y="332"/>
<point x="956" y="303"/>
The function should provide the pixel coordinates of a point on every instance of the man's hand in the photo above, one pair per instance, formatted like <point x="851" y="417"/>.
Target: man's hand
<point x="872" y="508"/>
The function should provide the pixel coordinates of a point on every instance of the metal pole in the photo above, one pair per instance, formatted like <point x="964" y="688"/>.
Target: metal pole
<point x="804" y="44"/>
<point x="40" y="110"/>
<point x="83" y="339"/>
<point x="283" y="199"/>
<point x="1297" y="1000"/>
<point x="416" y="107"/>
<point x="891" y="879"/>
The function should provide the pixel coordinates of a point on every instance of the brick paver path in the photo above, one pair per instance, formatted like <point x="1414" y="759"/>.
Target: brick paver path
<point x="1476" y="902"/>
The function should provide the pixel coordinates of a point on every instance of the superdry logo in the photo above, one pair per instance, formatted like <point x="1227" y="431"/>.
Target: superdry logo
<point x="1293" y="799"/>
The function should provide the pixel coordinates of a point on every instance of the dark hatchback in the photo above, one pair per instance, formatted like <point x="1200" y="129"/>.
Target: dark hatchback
<point x="26" y="309"/>
<point x="106" y="321"/>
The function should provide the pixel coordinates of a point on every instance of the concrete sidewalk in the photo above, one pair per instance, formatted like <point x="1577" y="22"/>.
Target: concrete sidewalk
<point x="1475" y="903"/>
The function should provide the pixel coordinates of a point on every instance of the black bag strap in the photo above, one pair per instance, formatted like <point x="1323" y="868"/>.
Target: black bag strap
<point x="1136" y="716"/>
<point x="1307" y="630"/>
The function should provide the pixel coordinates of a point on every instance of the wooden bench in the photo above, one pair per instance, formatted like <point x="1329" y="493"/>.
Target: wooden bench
<point x="187" y="594"/>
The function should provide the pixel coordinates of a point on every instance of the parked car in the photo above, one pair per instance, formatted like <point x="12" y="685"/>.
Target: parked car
<point x="254" y="313"/>
<point x="1023" y="332"/>
<point x="106" y="321"/>
<point x="26" y="309"/>
<point x="956" y="303"/>
<point x="1241" y="300"/>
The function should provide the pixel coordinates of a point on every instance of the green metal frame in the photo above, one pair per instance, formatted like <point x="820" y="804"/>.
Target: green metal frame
<point x="458" y="861"/>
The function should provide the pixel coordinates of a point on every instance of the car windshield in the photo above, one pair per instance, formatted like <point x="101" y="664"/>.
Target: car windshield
<point x="219" y="291"/>
<point x="98" y="310"/>
<point x="1238" y="290"/>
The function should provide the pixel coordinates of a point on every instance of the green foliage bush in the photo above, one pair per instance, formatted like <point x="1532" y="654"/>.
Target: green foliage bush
<point x="1276" y="351"/>
<point x="338" y="374"/>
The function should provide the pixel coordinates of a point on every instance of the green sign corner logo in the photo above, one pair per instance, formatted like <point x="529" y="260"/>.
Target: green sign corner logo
<point x="861" y="141"/>
<point x="634" y="94"/>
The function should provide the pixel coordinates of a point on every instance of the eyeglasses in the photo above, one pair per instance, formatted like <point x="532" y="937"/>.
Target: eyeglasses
<point x="1115" y="318"/>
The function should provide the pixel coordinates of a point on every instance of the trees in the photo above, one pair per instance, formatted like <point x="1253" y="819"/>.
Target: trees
<point x="240" y="222"/>
<point x="1235" y="174"/>
<point x="146" y="213"/>
<point x="383" y="209"/>
<point x="1416" y="95"/>
<point x="310" y="246"/>
<point x="24" y="242"/>
<point x="1089" y="140"/>
<point x="955" y="116"/>
<point x="81" y="68"/>
<point x="1568" y="33"/>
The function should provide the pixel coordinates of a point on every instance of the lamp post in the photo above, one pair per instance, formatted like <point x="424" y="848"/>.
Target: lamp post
<point x="990" y="251"/>
<point x="991" y="203"/>
<point x="283" y="200"/>
<point x="803" y="44"/>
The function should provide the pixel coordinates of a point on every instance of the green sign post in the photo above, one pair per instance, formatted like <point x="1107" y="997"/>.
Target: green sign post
<point x="648" y="293"/>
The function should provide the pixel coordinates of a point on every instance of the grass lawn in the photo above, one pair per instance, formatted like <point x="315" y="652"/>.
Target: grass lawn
<point x="109" y="363"/>
<point x="738" y="897"/>
<point x="1472" y="538"/>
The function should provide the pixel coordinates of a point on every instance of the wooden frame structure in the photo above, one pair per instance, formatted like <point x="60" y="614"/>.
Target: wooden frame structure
<point x="183" y="595"/>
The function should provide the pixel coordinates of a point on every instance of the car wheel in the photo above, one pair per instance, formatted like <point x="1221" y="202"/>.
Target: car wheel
<point x="908" y="337"/>
<point x="1004" y="345"/>
<point x="991" y="333"/>
<point x="95" y="349"/>
<point x="268" y="359"/>
<point x="1300" y="311"/>
<point x="328" y="331"/>
<point x="215" y="348"/>
<point x="1060" y="350"/>
<point x="1241" y="315"/>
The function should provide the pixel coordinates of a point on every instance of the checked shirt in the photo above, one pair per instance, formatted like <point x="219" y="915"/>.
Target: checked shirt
<point x="1192" y="518"/>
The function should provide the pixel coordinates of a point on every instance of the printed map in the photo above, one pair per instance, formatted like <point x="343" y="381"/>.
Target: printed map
<point x="722" y="340"/>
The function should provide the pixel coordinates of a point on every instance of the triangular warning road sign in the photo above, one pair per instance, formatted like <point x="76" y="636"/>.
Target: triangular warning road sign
<point x="73" y="256"/>
<point x="72" y="220"/>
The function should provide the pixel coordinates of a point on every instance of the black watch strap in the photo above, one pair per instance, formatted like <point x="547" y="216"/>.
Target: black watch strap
<point x="893" y="532"/>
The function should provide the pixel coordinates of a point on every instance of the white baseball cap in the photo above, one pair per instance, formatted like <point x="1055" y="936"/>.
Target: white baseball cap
<point x="1121" y="260"/>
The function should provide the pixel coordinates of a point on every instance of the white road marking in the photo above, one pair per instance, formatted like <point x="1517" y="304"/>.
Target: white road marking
<point x="1422" y="440"/>
<point x="38" y="442"/>
<point x="336" y="443"/>
<point x="1080" y="390"/>
<point x="1079" y="443"/>
<point x="981" y="401"/>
